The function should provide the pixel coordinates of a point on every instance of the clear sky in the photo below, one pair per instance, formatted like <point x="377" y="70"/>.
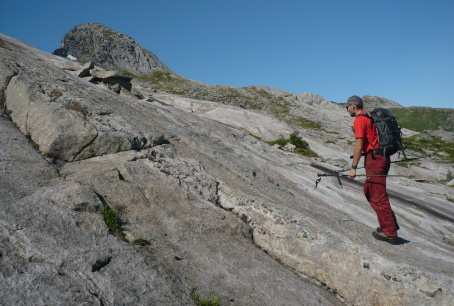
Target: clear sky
<point x="402" y="50"/>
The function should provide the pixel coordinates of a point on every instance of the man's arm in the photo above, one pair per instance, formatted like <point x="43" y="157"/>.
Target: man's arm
<point x="357" y="152"/>
<point x="356" y="156"/>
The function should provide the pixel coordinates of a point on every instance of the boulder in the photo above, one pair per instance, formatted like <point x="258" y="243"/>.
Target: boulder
<point x="113" y="79"/>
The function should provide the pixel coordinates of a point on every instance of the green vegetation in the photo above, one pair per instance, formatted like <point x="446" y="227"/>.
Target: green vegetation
<point x="211" y="300"/>
<point x="301" y="146"/>
<point x="425" y="118"/>
<point x="252" y="97"/>
<point x="165" y="81"/>
<point x="113" y="221"/>
<point x="429" y="145"/>
<point x="282" y="111"/>
<point x="305" y="123"/>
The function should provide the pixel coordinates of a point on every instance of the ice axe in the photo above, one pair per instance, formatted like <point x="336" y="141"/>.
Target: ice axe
<point x="336" y="174"/>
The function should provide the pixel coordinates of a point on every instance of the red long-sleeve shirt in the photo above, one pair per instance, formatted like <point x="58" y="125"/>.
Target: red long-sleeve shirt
<point x="364" y="129"/>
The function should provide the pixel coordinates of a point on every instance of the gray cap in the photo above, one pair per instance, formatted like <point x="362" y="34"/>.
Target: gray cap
<point x="355" y="100"/>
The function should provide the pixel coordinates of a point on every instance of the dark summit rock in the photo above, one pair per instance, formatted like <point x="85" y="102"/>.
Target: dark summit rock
<point x="108" y="49"/>
<point x="371" y="102"/>
<point x="61" y="52"/>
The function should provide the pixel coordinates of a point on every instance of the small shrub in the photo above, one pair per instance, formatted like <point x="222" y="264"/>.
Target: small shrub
<point x="281" y="142"/>
<point x="297" y="141"/>
<point x="112" y="221"/>
<point x="211" y="300"/>
<point x="301" y="146"/>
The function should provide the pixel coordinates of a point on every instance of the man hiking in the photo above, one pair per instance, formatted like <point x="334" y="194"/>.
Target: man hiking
<point x="377" y="164"/>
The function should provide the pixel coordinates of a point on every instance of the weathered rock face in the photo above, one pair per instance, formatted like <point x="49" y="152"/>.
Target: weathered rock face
<point x="108" y="49"/>
<point x="174" y="238"/>
<point x="199" y="204"/>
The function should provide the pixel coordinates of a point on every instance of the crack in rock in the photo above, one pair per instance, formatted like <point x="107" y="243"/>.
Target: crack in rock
<point x="85" y="146"/>
<point x="101" y="263"/>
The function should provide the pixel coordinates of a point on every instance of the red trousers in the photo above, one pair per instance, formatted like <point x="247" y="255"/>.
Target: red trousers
<point x="375" y="192"/>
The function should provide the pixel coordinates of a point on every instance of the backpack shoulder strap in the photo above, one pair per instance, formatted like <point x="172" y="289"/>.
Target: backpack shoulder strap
<point x="366" y="114"/>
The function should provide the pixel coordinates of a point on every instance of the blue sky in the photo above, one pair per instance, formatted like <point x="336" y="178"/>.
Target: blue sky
<point x="402" y="50"/>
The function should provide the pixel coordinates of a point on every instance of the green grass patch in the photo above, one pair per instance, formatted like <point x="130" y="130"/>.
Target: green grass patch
<point x="247" y="97"/>
<point x="260" y="92"/>
<point x="171" y="83"/>
<point x="425" y="118"/>
<point x="301" y="146"/>
<point x="159" y="76"/>
<point x="305" y="123"/>
<point x="211" y="300"/>
<point x="431" y="145"/>
<point x="281" y="111"/>
<point x="112" y="221"/>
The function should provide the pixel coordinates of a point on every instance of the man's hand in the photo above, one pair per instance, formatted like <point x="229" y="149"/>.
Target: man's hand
<point x="351" y="173"/>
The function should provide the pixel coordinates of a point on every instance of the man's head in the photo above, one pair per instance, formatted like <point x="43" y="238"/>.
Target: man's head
<point x="354" y="104"/>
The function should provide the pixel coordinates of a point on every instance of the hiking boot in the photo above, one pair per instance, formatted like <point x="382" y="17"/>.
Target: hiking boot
<point x="379" y="235"/>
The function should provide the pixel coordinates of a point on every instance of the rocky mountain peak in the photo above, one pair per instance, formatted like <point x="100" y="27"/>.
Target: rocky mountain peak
<point x="109" y="49"/>
<point x="372" y="102"/>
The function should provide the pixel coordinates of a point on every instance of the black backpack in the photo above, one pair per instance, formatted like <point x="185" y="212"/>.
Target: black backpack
<point x="388" y="130"/>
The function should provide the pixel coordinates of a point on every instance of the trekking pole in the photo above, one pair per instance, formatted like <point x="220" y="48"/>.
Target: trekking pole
<point x="392" y="162"/>
<point x="338" y="175"/>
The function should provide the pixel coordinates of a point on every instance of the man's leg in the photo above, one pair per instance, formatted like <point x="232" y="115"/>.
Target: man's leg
<point x="380" y="203"/>
<point x="377" y="195"/>
<point x="367" y="193"/>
